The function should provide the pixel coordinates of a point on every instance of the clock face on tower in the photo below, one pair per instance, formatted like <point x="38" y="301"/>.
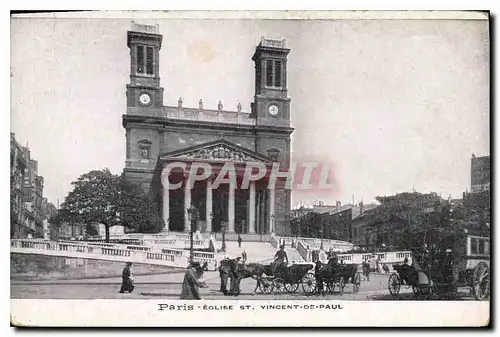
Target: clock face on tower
<point x="273" y="110"/>
<point x="144" y="99"/>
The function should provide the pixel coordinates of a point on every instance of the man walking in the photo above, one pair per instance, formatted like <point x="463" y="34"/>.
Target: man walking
<point x="239" y="241"/>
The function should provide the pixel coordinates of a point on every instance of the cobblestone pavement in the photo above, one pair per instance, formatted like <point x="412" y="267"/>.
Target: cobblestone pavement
<point x="169" y="286"/>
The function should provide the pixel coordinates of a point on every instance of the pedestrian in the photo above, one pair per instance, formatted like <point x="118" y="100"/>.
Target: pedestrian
<point x="224" y="271"/>
<point x="239" y="241"/>
<point x="244" y="256"/>
<point x="366" y="267"/>
<point x="127" y="279"/>
<point x="191" y="283"/>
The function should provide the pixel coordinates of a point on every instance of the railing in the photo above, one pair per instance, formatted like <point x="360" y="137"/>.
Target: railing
<point x="205" y="115"/>
<point x="274" y="241"/>
<point x="134" y="254"/>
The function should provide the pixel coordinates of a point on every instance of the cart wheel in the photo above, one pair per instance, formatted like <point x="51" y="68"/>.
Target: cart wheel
<point x="279" y="286"/>
<point x="309" y="283"/>
<point x="266" y="286"/>
<point x="481" y="281"/>
<point x="394" y="284"/>
<point x="356" y="282"/>
<point x="341" y="285"/>
<point x="291" y="287"/>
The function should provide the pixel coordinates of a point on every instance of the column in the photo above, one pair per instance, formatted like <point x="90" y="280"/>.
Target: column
<point x="257" y="214"/>
<point x="251" y="209"/>
<point x="208" y="213"/>
<point x="230" y="208"/>
<point x="187" y="204"/>
<point x="272" y="215"/>
<point x="166" y="202"/>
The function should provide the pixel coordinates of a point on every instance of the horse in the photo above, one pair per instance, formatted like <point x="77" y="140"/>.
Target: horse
<point x="228" y="269"/>
<point x="326" y="271"/>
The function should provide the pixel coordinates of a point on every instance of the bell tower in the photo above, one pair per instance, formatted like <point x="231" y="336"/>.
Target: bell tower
<point x="144" y="94"/>
<point x="144" y="101"/>
<point x="271" y="104"/>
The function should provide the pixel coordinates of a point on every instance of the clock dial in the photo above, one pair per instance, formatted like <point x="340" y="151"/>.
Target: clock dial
<point x="273" y="110"/>
<point x="144" y="99"/>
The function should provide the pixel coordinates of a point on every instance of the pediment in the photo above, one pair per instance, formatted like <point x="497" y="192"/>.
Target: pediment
<point x="220" y="150"/>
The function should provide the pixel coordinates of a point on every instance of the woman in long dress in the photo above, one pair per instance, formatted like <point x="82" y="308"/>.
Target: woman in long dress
<point x="192" y="282"/>
<point x="127" y="279"/>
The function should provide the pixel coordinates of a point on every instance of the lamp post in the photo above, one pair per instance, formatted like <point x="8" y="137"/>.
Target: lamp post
<point x="322" y="233"/>
<point x="192" y="219"/>
<point x="223" y="228"/>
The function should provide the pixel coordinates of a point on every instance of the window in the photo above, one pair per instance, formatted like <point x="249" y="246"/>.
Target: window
<point x="277" y="73"/>
<point x="481" y="247"/>
<point x="140" y="59"/>
<point x="149" y="60"/>
<point x="273" y="73"/>
<point x="474" y="246"/>
<point x="145" y="60"/>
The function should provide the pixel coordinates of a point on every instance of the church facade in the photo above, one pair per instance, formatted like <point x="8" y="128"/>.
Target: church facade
<point x="158" y="135"/>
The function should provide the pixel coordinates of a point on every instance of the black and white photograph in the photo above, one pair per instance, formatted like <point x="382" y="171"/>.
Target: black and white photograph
<point x="278" y="163"/>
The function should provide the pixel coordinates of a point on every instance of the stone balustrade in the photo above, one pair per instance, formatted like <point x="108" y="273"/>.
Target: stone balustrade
<point x="120" y="253"/>
<point x="303" y="251"/>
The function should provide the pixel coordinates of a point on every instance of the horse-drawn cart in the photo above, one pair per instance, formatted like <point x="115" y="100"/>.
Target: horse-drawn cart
<point x="458" y="260"/>
<point x="288" y="279"/>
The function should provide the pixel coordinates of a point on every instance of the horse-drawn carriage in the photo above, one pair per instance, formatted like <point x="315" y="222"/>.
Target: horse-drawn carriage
<point x="287" y="279"/>
<point x="458" y="260"/>
<point x="334" y="275"/>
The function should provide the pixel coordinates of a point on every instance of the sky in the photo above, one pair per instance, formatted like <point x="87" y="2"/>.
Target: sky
<point x="394" y="105"/>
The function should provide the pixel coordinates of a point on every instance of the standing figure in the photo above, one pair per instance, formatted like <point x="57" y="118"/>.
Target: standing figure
<point x="244" y="257"/>
<point x="366" y="269"/>
<point x="224" y="272"/>
<point x="127" y="279"/>
<point x="191" y="283"/>
<point x="239" y="241"/>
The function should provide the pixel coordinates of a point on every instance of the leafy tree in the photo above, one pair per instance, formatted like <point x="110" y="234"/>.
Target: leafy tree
<point x="102" y="197"/>
<point x="405" y="219"/>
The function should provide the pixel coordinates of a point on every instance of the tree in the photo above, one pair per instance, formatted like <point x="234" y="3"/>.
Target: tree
<point x="104" y="198"/>
<point x="405" y="219"/>
<point x="138" y="210"/>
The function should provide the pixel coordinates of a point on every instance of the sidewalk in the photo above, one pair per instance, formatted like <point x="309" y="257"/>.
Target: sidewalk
<point x="173" y="278"/>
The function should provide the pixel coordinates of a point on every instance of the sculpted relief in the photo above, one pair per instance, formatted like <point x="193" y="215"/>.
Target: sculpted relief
<point x="220" y="153"/>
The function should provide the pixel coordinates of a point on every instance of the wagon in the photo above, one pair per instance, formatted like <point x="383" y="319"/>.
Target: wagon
<point x="458" y="260"/>
<point x="336" y="276"/>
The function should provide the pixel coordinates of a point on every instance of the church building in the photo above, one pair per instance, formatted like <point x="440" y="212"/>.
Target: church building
<point x="157" y="135"/>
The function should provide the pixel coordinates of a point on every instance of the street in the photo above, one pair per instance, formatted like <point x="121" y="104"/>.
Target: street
<point x="169" y="286"/>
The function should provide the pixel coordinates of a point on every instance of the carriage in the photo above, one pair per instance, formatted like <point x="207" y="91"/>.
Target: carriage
<point x="336" y="276"/>
<point x="288" y="279"/>
<point x="458" y="260"/>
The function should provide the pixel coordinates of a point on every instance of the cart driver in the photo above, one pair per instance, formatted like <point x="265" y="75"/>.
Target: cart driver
<point x="279" y="258"/>
<point x="406" y="270"/>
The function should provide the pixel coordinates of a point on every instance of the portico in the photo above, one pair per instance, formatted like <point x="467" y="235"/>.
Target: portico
<point x="244" y="207"/>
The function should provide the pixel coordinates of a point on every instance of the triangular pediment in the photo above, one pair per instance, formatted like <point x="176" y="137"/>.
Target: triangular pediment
<point x="220" y="150"/>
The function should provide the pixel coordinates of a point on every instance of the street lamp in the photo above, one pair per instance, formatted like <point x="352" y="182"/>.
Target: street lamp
<point x="192" y="216"/>
<point x="223" y="228"/>
<point x="322" y="233"/>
